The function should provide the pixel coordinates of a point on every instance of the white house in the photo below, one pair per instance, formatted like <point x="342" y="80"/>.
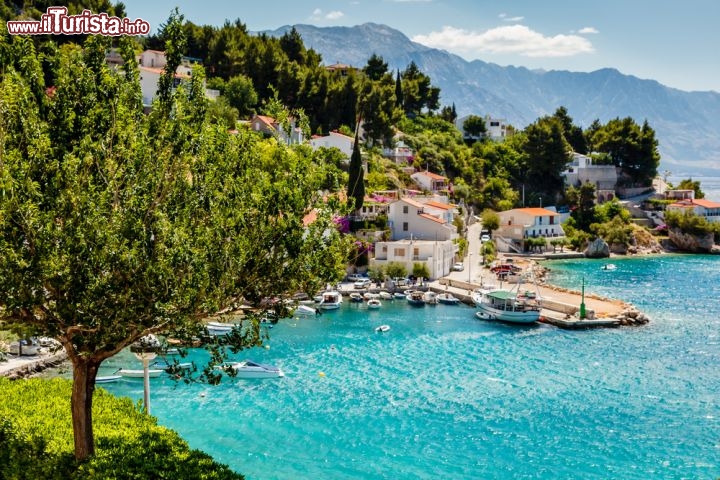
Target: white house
<point x="438" y="256"/>
<point x="431" y="182"/>
<point x="520" y="223"/>
<point x="151" y="64"/>
<point x="581" y="169"/>
<point x="496" y="128"/>
<point x="699" y="206"/>
<point x="400" y="154"/>
<point x="334" y="140"/>
<point x="409" y="219"/>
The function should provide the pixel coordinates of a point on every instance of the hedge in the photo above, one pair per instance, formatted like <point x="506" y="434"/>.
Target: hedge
<point x="36" y="439"/>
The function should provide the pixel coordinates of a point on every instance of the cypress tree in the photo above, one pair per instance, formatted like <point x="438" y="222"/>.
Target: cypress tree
<point x="356" y="180"/>
<point x="398" y="91"/>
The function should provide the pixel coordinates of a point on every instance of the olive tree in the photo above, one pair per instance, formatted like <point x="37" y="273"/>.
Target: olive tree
<point x="115" y="224"/>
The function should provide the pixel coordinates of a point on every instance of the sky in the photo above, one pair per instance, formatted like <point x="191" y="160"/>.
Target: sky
<point x="673" y="42"/>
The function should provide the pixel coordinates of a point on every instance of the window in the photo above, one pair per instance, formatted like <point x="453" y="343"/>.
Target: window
<point x="416" y="253"/>
<point x="405" y="209"/>
<point x="405" y="226"/>
<point x="399" y="252"/>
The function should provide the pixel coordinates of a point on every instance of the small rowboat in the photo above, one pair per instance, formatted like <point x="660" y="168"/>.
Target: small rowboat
<point x="107" y="379"/>
<point x="382" y="328"/>
<point x="131" y="373"/>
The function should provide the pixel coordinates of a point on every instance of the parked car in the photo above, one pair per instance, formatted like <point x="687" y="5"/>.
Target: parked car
<point x="485" y="238"/>
<point x="506" y="267"/>
<point x="354" y="277"/>
<point x="458" y="267"/>
<point x="364" y="283"/>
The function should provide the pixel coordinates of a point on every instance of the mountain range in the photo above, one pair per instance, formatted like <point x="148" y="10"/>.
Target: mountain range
<point x="687" y="124"/>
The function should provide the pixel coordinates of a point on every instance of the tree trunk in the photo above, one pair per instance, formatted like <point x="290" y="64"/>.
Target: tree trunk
<point x="84" y="374"/>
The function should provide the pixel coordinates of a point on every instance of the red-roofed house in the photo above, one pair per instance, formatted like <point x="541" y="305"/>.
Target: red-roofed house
<point x="429" y="181"/>
<point x="699" y="206"/>
<point x="520" y="223"/>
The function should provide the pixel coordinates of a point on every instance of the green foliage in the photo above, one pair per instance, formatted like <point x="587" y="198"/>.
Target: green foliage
<point x="356" y="178"/>
<point x="615" y="231"/>
<point x="222" y="113"/>
<point x="474" y="126"/>
<point x="36" y="439"/>
<point x="490" y="220"/>
<point x="547" y="153"/>
<point x="689" y="184"/>
<point x="536" y="244"/>
<point x="631" y="147"/>
<point x="396" y="270"/>
<point x="582" y="204"/>
<point x="241" y="94"/>
<point x="487" y="250"/>
<point x="576" y="237"/>
<point x="421" y="270"/>
<point x="376" y="273"/>
<point x="462" y="244"/>
<point x="609" y="210"/>
<point x="688" y="222"/>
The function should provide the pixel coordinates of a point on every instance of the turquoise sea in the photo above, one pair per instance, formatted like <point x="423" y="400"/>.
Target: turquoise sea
<point x="443" y="395"/>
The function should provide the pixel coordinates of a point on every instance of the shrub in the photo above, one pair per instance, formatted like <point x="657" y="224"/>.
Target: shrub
<point x="395" y="270"/>
<point x="421" y="270"/>
<point x="36" y="439"/>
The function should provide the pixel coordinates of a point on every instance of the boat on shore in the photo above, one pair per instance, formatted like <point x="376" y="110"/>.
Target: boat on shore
<point x="507" y="306"/>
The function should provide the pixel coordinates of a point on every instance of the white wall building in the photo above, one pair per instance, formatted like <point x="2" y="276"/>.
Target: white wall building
<point x="409" y="219"/>
<point x="581" y="169"/>
<point x="431" y="182"/>
<point x="496" y="128"/>
<point x="438" y="256"/>
<point x="334" y="140"/>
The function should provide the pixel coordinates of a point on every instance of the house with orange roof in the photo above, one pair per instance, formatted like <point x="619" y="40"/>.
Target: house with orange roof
<point x="334" y="139"/>
<point x="270" y="127"/>
<point x="431" y="182"/>
<point x="699" y="206"/>
<point x="518" y="224"/>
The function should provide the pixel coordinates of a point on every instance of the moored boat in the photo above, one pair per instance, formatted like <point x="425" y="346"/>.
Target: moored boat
<point x="138" y="373"/>
<point x="374" y="303"/>
<point x="430" y="298"/>
<point x="415" y="297"/>
<point x="506" y="306"/>
<point x="331" y="300"/>
<point x="399" y="295"/>
<point x="447" y="299"/>
<point x="305" y="310"/>
<point x="107" y="379"/>
<point x="250" y="369"/>
<point x="382" y="328"/>
<point x="385" y="295"/>
<point x="356" y="297"/>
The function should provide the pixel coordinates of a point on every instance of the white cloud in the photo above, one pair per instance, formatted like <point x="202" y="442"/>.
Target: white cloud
<point x="588" y="30"/>
<point x="512" y="39"/>
<point x="505" y="18"/>
<point x="334" y="15"/>
<point x="319" y="15"/>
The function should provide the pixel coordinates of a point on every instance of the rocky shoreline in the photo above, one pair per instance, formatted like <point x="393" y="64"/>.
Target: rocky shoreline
<point x="18" y="367"/>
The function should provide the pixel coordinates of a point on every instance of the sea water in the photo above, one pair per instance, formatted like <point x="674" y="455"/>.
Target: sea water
<point x="444" y="395"/>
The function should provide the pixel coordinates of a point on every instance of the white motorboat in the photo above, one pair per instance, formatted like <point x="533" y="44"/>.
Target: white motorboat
<point x="382" y="328"/>
<point x="305" y="310"/>
<point x="250" y="369"/>
<point x="374" y="303"/>
<point x="370" y="295"/>
<point x="484" y="316"/>
<point x="356" y="297"/>
<point x="399" y="295"/>
<point x="385" y="295"/>
<point x="609" y="266"/>
<point x="331" y="300"/>
<point x="447" y="299"/>
<point x="107" y="379"/>
<point x="217" y="329"/>
<point x="430" y="298"/>
<point x="138" y="373"/>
